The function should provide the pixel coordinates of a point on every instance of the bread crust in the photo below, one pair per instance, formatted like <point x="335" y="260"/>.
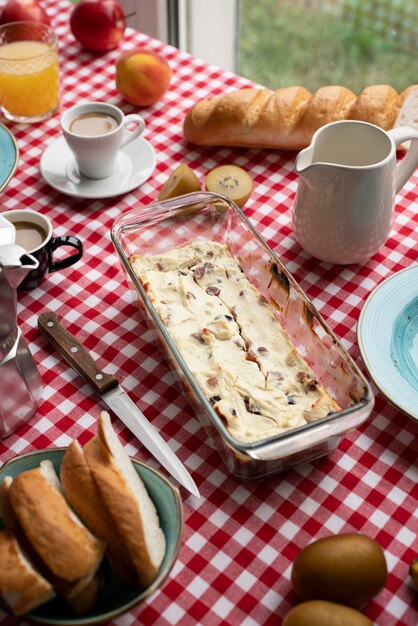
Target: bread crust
<point x="81" y="593"/>
<point x="21" y="585"/>
<point x="124" y="507"/>
<point x="377" y="104"/>
<point x="67" y="548"/>
<point x="288" y="117"/>
<point x="85" y="498"/>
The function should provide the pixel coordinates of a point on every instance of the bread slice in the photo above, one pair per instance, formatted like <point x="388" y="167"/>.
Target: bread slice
<point x="58" y="536"/>
<point x="408" y="112"/>
<point x="86" y="500"/>
<point x="82" y="596"/>
<point x="127" y="500"/>
<point x="48" y="542"/>
<point x="21" y="586"/>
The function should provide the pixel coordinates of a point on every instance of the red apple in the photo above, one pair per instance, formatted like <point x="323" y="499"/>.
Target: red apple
<point x="23" y="10"/>
<point x="98" y="24"/>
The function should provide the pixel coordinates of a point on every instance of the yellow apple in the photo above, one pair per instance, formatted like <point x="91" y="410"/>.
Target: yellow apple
<point x="142" y="77"/>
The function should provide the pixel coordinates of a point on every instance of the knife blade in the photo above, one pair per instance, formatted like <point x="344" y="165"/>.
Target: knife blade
<point x="114" y="396"/>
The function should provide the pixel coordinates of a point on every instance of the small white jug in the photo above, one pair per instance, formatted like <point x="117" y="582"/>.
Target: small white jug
<point x="345" y="200"/>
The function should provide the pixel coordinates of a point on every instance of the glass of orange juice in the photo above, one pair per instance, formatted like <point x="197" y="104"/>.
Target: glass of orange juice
<point x="29" y="78"/>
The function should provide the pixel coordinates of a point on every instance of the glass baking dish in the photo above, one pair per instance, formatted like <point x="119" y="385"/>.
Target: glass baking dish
<point x="156" y="228"/>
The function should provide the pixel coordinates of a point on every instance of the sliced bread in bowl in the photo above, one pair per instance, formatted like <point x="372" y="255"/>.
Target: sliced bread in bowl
<point x="59" y="537"/>
<point x="85" y="498"/>
<point x="127" y="500"/>
<point x="21" y="586"/>
<point x="61" y="548"/>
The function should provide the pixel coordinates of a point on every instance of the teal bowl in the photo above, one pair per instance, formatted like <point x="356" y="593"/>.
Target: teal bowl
<point x="114" y="599"/>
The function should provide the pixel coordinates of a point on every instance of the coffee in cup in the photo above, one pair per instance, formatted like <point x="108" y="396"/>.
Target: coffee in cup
<point x="33" y="232"/>
<point x="95" y="132"/>
<point x="94" y="123"/>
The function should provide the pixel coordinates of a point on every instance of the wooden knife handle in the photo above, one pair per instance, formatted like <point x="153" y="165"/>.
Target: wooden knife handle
<point x="75" y="353"/>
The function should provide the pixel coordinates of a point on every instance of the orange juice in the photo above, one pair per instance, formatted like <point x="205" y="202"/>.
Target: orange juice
<point x="29" y="84"/>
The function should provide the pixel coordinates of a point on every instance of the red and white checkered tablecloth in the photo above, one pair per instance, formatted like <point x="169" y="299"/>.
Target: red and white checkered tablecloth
<point x="240" y="539"/>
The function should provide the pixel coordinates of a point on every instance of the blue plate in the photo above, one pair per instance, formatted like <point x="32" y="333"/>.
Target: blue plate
<point x="113" y="599"/>
<point x="387" y="333"/>
<point x="9" y="156"/>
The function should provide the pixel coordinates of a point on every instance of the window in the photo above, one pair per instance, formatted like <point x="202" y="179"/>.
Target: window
<point x="206" y="29"/>
<point x="318" y="42"/>
<point x="277" y="43"/>
<point x="148" y="16"/>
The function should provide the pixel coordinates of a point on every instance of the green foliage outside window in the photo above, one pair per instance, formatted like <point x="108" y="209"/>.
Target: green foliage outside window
<point x="337" y="42"/>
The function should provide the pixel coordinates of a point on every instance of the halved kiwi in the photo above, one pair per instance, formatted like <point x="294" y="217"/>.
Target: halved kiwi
<point x="181" y="181"/>
<point x="231" y="181"/>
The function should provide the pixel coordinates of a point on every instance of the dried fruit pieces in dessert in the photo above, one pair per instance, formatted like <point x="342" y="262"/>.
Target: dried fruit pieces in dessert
<point x="232" y="342"/>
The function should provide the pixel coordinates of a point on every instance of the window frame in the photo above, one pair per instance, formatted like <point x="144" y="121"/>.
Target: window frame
<point x="207" y="30"/>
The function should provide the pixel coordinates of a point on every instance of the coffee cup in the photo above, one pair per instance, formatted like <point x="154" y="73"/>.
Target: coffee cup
<point x="33" y="232"/>
<point x="95" y="132"/>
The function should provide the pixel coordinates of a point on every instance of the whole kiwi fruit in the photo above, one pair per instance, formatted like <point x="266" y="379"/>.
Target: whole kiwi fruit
<point x="323" y="613"/>
<point x="347" y="568"/>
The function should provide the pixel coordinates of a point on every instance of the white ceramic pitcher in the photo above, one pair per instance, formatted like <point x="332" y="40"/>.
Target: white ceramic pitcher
<point x="349" y="178"/>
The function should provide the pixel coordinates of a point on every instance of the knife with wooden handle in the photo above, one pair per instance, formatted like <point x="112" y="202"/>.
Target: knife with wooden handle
<point x="107" y="387"/>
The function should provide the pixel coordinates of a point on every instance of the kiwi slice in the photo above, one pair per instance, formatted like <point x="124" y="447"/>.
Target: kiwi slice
<point x="231" y="181"/>
<point x="181" y="181"/>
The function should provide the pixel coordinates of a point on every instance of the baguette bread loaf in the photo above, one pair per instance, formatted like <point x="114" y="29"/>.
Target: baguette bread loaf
<point x="288" y="117"/>
<point x="127" y="500"/>
<point x="21" y="586"/>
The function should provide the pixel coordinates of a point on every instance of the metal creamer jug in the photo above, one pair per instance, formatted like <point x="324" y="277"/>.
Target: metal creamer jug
<point x="20" y="381"/>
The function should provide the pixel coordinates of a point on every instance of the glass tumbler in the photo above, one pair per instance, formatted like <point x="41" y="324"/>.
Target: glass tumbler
<point x="29" y="76"/>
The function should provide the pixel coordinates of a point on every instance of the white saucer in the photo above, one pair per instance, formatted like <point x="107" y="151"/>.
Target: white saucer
<point x="387" y="333"/>
<point x="135" y="164"/>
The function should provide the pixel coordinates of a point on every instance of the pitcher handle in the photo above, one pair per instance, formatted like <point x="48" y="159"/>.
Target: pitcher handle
<point x="409" y="163"/>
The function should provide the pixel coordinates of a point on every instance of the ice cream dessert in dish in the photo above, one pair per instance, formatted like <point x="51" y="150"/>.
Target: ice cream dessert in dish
<point x="232" y="341"/>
